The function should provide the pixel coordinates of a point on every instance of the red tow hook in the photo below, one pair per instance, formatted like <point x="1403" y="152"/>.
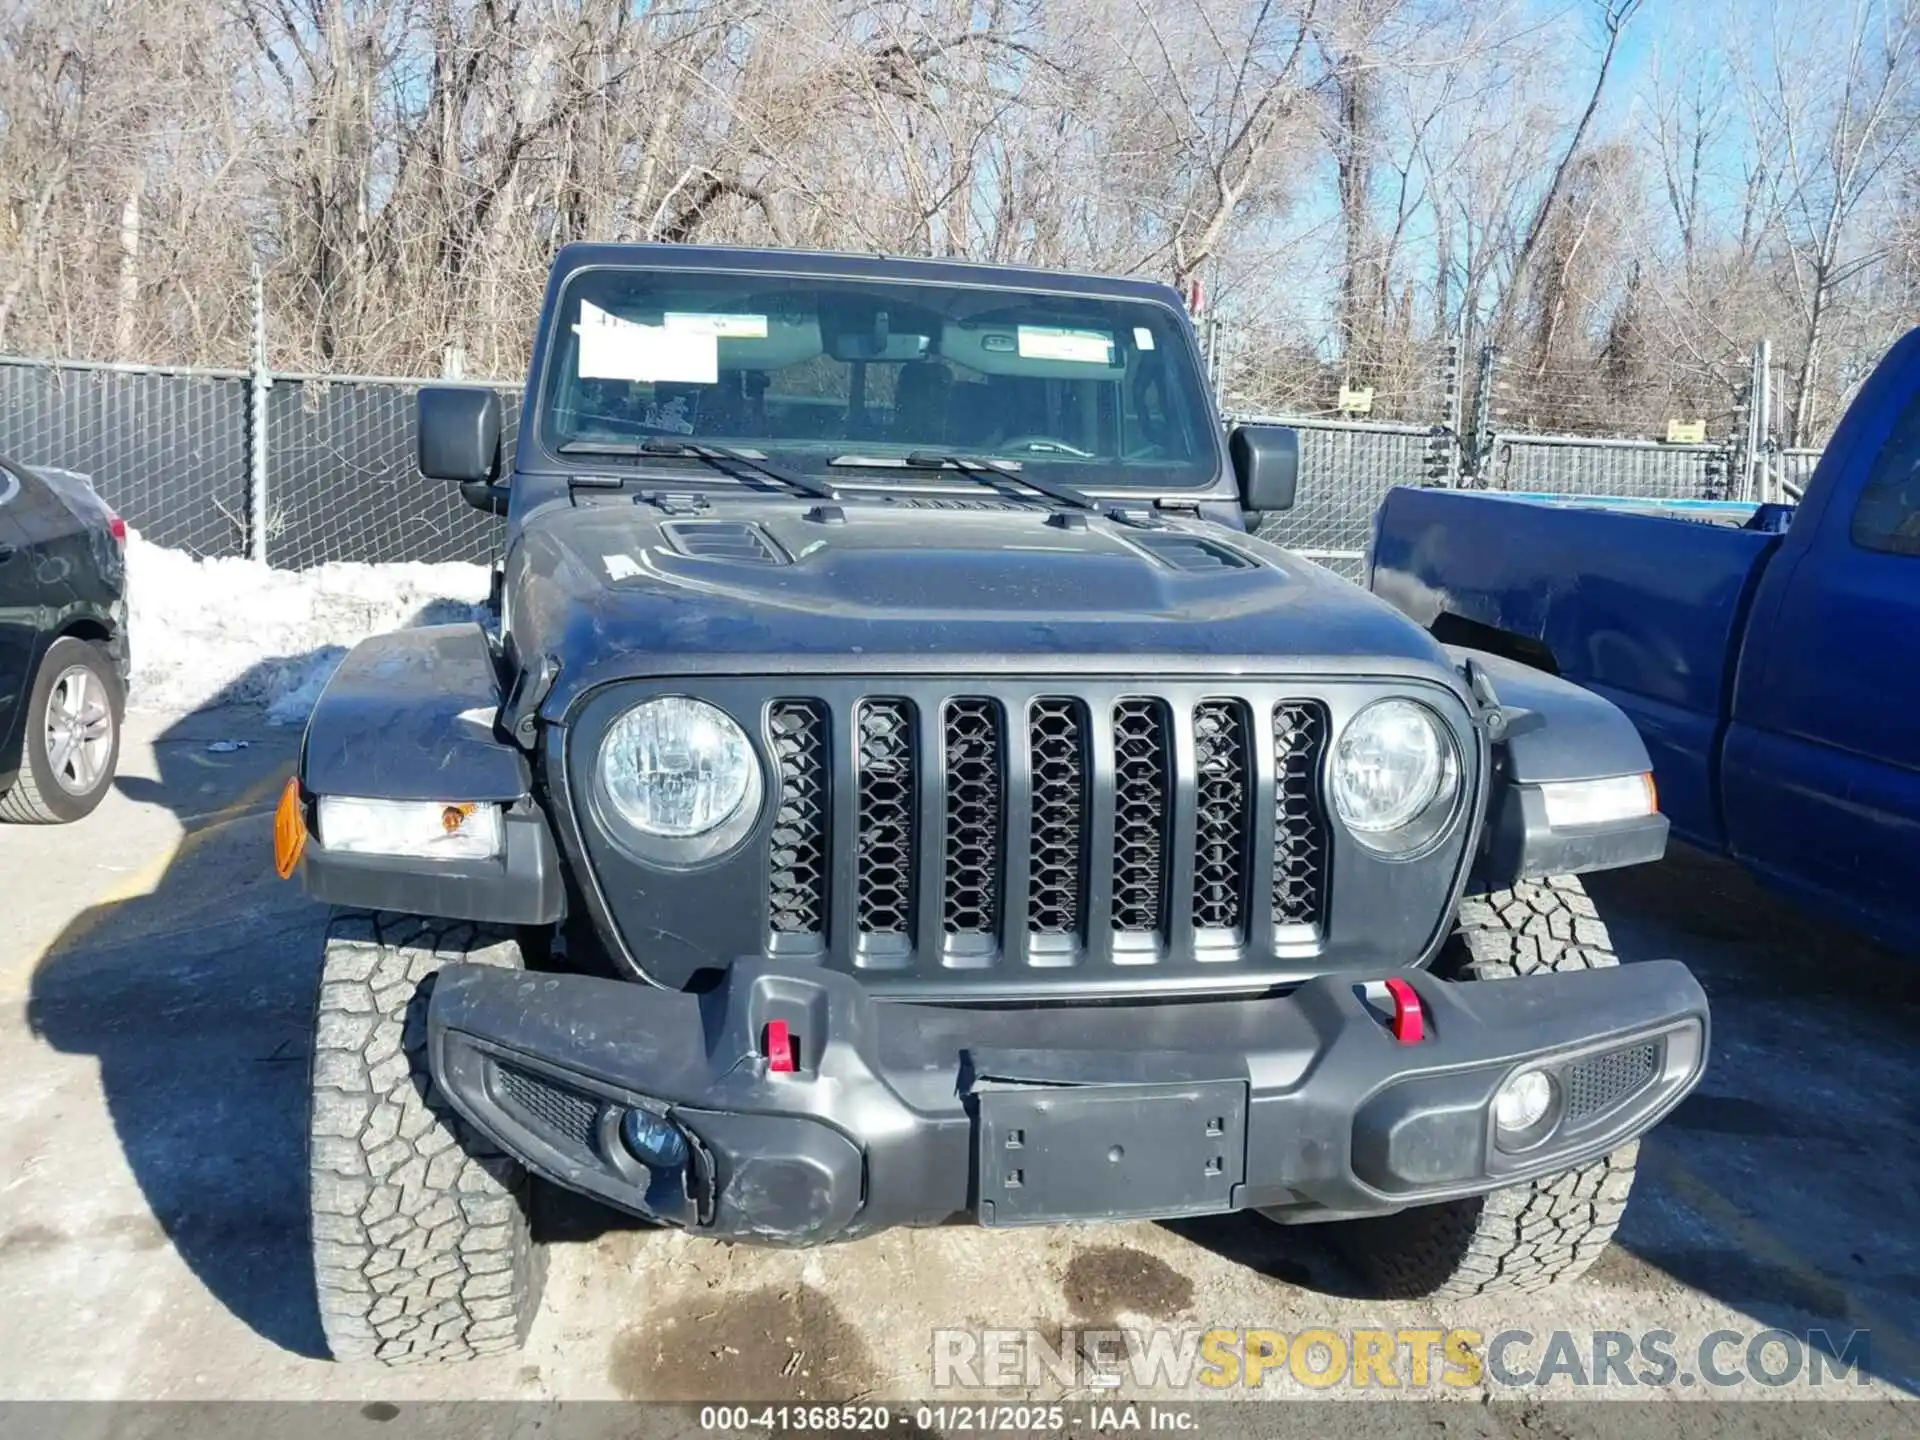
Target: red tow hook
<point x="779" y="1049"/>
<point x="1409" y="1024"/>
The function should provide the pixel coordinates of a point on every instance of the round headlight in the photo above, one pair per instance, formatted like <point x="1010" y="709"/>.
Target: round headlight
<point x="1394" y="775"/>
<point x="676" y="768"/>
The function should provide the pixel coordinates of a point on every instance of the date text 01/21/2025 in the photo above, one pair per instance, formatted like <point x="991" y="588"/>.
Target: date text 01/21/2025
<point x="947" y="1419"/>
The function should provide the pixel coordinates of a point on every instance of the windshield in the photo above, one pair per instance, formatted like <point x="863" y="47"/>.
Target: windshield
<point x="830" y="374"/>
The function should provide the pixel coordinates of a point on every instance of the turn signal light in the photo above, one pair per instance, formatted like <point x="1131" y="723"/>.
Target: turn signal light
<point x="289" y="830"/>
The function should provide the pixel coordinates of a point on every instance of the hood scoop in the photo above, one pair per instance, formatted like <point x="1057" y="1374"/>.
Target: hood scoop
<point x="730" y="540"/>
<point x="1180" y="551"/>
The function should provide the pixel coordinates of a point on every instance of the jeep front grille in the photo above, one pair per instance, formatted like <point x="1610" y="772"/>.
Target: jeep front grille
<point x="883" y="849"/>
<point x="975" y="768"/>
<point x="1057" y="832"/>
<point x="797" y="869"/>
<point x="1223" y="816"/>
<point x="1081" y="810"/>
<point x="1299" y="839"/>
<point x="1142" y="798"/>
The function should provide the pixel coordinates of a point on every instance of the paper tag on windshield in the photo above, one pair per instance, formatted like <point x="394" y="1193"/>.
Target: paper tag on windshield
<point x="615" y="349"/>
<point x="721" y="327"/>
<point x="1049" y="342"/>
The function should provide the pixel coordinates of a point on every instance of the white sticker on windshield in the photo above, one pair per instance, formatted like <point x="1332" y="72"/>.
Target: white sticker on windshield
<point x="1142" y="338"/>
<point x="620" y="567"/>
<point x="1051" y="342"/>
<point x="615" y="349"/>
<point x="721" y="327"/>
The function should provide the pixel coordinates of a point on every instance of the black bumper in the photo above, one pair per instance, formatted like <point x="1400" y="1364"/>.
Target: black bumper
<point x="1305" y="1106"/>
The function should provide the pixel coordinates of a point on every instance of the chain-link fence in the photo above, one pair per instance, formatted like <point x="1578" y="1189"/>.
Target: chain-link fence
<point x="342" y="483"/>
<point x="1346" y="469"/>
<point x="167" y="449"/>
<point x="324" y="469"/>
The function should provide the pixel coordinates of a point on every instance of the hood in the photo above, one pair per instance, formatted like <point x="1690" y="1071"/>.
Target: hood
<point x="613" y="588"/>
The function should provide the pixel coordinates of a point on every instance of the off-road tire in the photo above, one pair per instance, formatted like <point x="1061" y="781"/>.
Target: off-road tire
<point x="422" y="1247"/>
<point x="1530" y="1236"/>
<point x="36" y="797"/>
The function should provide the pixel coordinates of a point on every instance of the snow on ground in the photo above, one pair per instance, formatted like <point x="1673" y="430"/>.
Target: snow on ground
<point x="227" y="631"/>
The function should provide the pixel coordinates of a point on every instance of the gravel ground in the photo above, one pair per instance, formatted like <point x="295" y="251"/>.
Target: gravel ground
<point x="158" y="988"/>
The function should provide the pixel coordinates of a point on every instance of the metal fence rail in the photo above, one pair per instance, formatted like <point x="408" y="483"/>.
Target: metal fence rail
<point x="1643" y="469"/>
<point x="1790" y="470"/>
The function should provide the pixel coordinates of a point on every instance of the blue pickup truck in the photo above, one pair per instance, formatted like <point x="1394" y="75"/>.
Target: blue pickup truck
<point x="1770" y="655"/>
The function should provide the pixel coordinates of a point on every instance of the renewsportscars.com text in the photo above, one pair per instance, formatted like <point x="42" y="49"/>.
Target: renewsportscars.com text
<point x="1398" y="1359"/>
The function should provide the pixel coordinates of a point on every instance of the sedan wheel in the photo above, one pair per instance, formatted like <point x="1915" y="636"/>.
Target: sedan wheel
<point x="79" y="731"/>
<point x="72" y="741"/>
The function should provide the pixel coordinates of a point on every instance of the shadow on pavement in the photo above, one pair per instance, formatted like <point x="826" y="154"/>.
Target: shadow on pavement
<point x="197" y="999"/>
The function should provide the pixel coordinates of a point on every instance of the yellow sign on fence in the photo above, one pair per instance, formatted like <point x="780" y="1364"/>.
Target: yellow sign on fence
<point x="1356" y="401"/>
<point x="1686" y="432"/>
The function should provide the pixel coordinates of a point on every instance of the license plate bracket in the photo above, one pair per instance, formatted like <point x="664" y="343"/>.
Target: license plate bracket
<point x="1055" y="1153"/>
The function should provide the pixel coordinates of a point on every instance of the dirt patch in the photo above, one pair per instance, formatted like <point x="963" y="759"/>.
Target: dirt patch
<point x="776" y="1344"/>
<point x="136" y="1232"/>
<point x="31" y="1240"/>
<point x="1112" y="1280"/>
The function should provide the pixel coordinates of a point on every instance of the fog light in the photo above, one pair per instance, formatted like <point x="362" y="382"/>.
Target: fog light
<point x="655" y="1141"/>
<point x="1522" y="1103"/>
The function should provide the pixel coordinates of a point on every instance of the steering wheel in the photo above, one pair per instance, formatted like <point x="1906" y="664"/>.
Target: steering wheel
<point x="1044" y="442"/>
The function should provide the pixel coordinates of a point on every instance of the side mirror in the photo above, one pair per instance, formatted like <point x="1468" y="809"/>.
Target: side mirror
<point x="1266" y="462"/>
<point x="459" y="433"/>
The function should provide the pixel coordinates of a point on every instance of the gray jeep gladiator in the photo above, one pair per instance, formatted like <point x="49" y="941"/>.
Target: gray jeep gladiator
<point x="901" y="788"/>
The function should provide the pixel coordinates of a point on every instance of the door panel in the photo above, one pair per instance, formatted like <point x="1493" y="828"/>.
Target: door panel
<point x="1822" y="763"/>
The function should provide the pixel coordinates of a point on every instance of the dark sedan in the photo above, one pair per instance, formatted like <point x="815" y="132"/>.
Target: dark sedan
<point x="63" y="645"/>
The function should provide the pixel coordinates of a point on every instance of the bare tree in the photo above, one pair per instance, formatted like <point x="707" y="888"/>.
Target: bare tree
<point x="1355" y="180"/>
<point x="1842" y="94"/>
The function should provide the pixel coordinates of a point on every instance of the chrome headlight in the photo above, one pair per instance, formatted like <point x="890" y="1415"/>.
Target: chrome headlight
<point x="676" y="768"/>
<point x="1394" y="775"/>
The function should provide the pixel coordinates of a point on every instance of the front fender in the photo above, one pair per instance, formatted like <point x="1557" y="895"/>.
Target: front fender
<point x="412" y="716"/>
<point x="1552" y="731"/>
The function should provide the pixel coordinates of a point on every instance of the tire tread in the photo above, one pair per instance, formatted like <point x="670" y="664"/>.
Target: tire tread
<point x="422" y="1247"/>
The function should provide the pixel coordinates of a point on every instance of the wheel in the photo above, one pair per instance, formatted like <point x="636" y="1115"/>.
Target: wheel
<point x="1529" y="1236"/>
<point x="72" y="740"/>
<point x="422" y="1247"/>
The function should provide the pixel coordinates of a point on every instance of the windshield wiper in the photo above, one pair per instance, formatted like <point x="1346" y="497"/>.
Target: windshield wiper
<point x="713" y="454"/>
<point x="982" y="469"/>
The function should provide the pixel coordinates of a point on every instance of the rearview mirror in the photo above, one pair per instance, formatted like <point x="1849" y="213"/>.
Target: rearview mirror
<point x="459" y="433"/>
<point x="1266" y="462"/>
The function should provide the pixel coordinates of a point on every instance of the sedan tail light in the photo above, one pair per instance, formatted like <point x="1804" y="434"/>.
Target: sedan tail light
<point x="117" y="526"/>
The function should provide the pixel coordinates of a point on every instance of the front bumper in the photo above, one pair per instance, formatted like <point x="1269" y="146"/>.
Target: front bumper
<point x="1304" y="1106"/>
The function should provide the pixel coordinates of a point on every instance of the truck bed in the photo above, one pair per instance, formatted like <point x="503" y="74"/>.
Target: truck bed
<point x="1642" y="601"/>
